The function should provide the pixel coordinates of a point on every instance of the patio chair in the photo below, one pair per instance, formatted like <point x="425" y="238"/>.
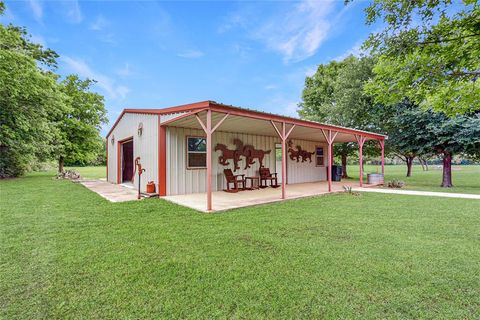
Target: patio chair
<point x="265" y="176"/>
<point x="236" y="180"/>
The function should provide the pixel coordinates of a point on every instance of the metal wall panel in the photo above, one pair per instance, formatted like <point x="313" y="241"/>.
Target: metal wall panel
<point x="181" y="180"/>
<point x="144" y="146"/>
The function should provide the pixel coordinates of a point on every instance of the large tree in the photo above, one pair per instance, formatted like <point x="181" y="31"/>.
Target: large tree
<point x="29" y="99"/>
<point x="80" y="124"/>
<point x="406" y="125"/>
<point x="428" y="52"/>
<point x="335" y="95"/>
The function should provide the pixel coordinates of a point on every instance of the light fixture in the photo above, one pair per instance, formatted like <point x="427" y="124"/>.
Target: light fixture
<point x="140" y="129"/>
<point x="113" y="139"/>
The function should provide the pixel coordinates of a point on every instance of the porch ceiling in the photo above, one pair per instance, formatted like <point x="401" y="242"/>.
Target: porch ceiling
<point x="241" y="124"/>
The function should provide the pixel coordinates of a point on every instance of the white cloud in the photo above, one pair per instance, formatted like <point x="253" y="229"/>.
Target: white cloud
<point x="99" y="24"/>
<point x="298" y="32"/>
<point x="270" y="87"/>
<point x="107" y="84"/>
<point x="191" y="54"/>
<point x="37" y="9"/>
<point x="73" y="13"/>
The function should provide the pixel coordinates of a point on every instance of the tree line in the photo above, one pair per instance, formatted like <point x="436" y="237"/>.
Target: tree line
<point x="42" y="115"/>
<point x="417" y="83"/>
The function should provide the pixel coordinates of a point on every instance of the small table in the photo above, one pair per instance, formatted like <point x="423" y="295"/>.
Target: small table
<point x="254" y="183"/>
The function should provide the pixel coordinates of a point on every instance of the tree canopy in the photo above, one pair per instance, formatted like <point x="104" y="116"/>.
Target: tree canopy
<point x="335" y="94"/>
<point x="428" y="52"/>
<point x="40" y="115"/>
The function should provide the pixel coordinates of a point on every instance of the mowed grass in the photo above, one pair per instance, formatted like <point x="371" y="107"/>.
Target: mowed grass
<point x="466" y="179"/>
<point x="67" y="253"/>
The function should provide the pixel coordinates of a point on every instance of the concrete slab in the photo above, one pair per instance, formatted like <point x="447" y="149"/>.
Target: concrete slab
<point x="421" y="193"/>
<point x="224" y="201"/>
<point x="111" y="192"/>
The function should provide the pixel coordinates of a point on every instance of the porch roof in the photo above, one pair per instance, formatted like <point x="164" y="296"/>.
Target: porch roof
<point x="241" y="120"/>
<point x="249" y="121"/>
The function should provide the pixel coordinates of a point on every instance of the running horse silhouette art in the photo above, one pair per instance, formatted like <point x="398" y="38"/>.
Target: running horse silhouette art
<point x="250" y="153"/>
<point x="299" y="154"/>
<point x="228" y="154"/>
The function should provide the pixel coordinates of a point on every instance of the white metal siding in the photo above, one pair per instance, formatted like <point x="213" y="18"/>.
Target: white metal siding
<point x="144" y="146"/>
<point x="181" y="180"/>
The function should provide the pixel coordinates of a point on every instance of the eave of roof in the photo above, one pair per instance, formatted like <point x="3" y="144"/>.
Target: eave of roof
<point x="219" y="107"/>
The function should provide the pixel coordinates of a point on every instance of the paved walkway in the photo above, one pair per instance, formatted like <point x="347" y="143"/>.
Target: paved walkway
<point x="111" y="192"/>
<point x="421" y="193"/>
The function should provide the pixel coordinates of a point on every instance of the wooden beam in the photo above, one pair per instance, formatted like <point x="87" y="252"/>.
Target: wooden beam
<point x="220" y="122"/>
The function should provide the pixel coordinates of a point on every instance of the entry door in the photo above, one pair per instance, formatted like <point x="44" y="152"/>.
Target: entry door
<point x="278" y="161"/>
<point x="127" y="161"/>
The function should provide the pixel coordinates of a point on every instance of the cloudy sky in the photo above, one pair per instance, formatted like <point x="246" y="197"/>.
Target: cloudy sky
<point x="158" y="54"/>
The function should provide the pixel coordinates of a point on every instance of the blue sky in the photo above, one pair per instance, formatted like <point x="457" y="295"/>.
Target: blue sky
<point x="159" y="54"/>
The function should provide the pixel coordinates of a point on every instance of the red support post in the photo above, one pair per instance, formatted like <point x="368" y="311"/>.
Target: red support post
<point x="361" y="140"/>
<point x="284" y="159"/>
<point x="382" y="146"/>
<point x="329" y="172"/>
<point x="209" y="159"/>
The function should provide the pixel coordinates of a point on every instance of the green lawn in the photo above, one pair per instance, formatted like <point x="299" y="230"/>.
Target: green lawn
<point x="466" y="179"/>
<point x="67" y="253"/>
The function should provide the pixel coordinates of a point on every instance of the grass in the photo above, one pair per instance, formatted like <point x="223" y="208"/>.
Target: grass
<point x="466" y="179"/>
<point x="67" y="253"/>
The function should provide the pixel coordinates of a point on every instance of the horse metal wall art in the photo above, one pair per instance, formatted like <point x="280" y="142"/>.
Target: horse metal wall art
<point x="247" y="151"/>
<point x="228" y="154"/>
<point x="299" y="154"/>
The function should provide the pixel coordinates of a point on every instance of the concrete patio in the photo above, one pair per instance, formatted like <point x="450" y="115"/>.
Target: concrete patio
<point x="224" y="201"/>
<point x="111" y="192"/>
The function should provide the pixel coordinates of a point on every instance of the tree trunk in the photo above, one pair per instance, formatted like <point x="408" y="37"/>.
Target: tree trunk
<point x="421" y="163"/>
<point x="426" y="165"/>
<point x="447" y="170"/>
<point x="409" y="165"/>
<point x="61" y="161"/>
<point x="344" y="166"/>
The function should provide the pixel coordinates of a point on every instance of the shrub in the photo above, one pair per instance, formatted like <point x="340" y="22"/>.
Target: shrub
<point x="396" y="184"/>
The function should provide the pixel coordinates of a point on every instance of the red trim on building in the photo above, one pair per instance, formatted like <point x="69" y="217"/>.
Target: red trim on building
<point x="162" y="159"/>
<point x="106" y="150"/>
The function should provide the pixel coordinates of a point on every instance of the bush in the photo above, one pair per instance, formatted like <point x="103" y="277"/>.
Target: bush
<point x="396" y="184"/>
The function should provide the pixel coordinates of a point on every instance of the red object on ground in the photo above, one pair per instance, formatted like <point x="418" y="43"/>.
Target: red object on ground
<point x="150" y="187"/>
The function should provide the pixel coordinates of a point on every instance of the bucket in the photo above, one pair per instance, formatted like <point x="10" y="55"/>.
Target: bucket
<point x="150" y="187"/>
<point x="375" y="178"/>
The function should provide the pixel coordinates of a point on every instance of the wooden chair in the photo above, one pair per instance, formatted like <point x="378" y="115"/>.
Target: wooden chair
<point x="236" y="180"/>
<point x="265" y="176"/>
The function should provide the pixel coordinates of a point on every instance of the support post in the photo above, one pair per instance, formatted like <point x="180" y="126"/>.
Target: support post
<point x="330" y="161"/>
<point x="284" y="160"/>
<point x="361" y="140"/>
<point x="209" y="133"/>
<point x="209" y="159"/>
<point x="283" y="136"/>
<point x="330" y="138"/>
<point x="382" y="147"/>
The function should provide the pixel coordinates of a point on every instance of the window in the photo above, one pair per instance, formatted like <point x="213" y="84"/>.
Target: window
<point x="319" y="157"/>
<point x="196" y="152"/>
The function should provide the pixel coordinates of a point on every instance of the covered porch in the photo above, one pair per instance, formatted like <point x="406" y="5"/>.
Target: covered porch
<point x="216" y="119"/>
<point x="226" y="201"/>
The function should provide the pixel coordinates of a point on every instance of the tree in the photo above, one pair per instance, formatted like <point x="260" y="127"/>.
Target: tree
<point x="335" y="95"/>
<point x="428" y="52"/>
<point x="415" y="132"/>
<point x="29" y="99"/>
<point x="405" y="124"/>
<point x="451" y="136"/>
<point x="79" y="141"/>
